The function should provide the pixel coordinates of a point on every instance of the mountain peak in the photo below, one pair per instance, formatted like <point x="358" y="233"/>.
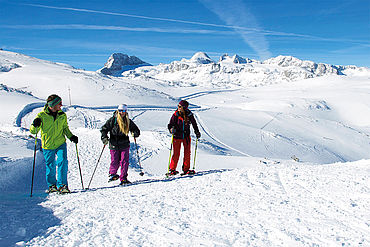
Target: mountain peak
<point x="234" y="59"/>
<point x="201" y="58"/>
<point x="284" y="61"/>
<point x="310" y="66"/>
<point x="119" y="62"/>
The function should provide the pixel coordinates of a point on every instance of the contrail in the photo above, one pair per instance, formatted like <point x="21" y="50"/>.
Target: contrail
<point x="117" y="28"/>
<point x="234" y="13"/>
<point x="137" y="16"/>
<point x="237" y="28"/>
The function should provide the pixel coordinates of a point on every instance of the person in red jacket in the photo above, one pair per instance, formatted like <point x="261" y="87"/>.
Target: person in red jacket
<point x="179" y="127"/>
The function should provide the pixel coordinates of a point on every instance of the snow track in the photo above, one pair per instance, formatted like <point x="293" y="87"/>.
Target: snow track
<point x="212" y="137"/>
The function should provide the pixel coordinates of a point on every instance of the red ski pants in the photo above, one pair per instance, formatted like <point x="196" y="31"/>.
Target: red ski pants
<point x="176" y="153"/>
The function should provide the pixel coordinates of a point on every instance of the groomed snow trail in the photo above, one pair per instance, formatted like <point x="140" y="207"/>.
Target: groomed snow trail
<point x="285" y="204"/>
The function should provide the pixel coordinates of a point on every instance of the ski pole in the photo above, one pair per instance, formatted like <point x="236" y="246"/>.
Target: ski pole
<point x="96" y="167"/>
<point x="34" y="162"/>
<point x="195" y="152"/>
<point x="79" y="167"/>
<point x="169" y="160"/>
<point x="138" y="158"/>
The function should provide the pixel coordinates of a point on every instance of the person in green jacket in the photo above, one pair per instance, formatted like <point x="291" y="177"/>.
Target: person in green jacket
<point x="52" y="122"/>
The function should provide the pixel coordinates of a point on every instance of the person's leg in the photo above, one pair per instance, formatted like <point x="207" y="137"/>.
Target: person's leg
<point x="187" y="150"/>
<point x="176" y="146"/>
<point x="124" y="162"/>
<point x="115" y="156"/>
<point x="49" y="155"/>
<point x="62" y="165"/>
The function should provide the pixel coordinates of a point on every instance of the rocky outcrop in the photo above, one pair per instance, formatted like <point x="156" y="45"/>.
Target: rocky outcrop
<point x="118" y="63"/>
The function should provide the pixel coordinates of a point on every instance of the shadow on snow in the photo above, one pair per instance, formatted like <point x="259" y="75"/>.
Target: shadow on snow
<point x="23" y="217"/>
<point x="156" y="180"/>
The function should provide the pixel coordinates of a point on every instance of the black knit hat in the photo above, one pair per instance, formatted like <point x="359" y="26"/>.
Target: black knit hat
<point x="184" y="104"/>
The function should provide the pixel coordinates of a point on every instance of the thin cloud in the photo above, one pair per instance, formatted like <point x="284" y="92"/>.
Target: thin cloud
<point x="130" y="15"/>
<point x="117" y="28"/>
<point x="234" y="13"/>
<point x="107" y="46"/>
<point x="252" y="29"/>
<point x="70" y="54"/>
<point x="254" y="38"/>
<point x="353" y="49"/>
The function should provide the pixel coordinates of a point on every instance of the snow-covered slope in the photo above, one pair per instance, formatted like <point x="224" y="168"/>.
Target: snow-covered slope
<point x="42" y="78"/>
<point x="268" y="159"/>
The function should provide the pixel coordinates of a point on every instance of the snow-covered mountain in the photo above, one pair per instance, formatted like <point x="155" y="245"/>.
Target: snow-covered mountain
<point x="235" y="71"/>
<point x="235" y="59"/>
<point x="118" y="63"/>
<point x="281" y="164"/>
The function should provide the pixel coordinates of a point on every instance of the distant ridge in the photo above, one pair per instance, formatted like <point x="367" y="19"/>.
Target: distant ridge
<point x="235" y="70"/>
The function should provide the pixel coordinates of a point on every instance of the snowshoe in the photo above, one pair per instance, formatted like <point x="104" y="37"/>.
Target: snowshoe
<point x="124" y="182"/>
<point x="52" y="188"/>
<point x="189" y="172"/>
<point x="64" y="190"/>
<point x="172" y="173"/>
<point x="113" y="177"/>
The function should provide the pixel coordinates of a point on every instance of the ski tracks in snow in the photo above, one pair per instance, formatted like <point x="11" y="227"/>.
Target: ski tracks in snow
<point x="269" y="205"/>
<point x="210" y="135"/>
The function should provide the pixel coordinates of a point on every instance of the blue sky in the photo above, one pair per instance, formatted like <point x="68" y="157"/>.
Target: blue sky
<point x="85" y="33"/>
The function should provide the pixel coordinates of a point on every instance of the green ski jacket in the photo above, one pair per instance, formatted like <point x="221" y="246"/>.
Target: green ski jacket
<point x="53" y="131"/>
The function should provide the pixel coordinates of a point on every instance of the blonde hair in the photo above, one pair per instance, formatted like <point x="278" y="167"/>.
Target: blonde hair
<point x="184" y="116"/>
<point x="123" y="123"/>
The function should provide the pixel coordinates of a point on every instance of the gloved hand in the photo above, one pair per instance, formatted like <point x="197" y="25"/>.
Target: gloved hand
<point x="74" y="139"/>
<point x="173" y="130"/>
<point x="105" y="141"/>
<point x="37" y="122"/>
<point x="197" y="134"/>
<point x="136" y="134"/>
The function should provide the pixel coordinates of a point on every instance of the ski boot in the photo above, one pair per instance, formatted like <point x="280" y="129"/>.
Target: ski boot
<point x="125" y="182"/>
<point x="188" y="172"/>
<point x="64" y="189"/>
<point x="113" y="177"/>
<point x="172" y="173"/>
<point x="52" y="188"/>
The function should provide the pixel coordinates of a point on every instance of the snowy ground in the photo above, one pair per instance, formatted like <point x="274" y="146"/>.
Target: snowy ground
<point x="248" y="189"/>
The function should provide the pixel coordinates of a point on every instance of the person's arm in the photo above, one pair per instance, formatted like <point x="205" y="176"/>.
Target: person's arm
<point x="105" y="129"/>
<point x="195" y="125"/>
<point x="134" y="129"/>
<point x="171" y="125"/>
<point x="36" y="125"/>
<point x="66" y="131"/>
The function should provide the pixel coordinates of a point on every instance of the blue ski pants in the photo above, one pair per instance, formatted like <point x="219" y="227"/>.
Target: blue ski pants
<point x="56" y="159"/>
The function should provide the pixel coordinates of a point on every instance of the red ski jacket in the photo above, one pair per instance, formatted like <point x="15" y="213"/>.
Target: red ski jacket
<point x="182" y="129"/>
